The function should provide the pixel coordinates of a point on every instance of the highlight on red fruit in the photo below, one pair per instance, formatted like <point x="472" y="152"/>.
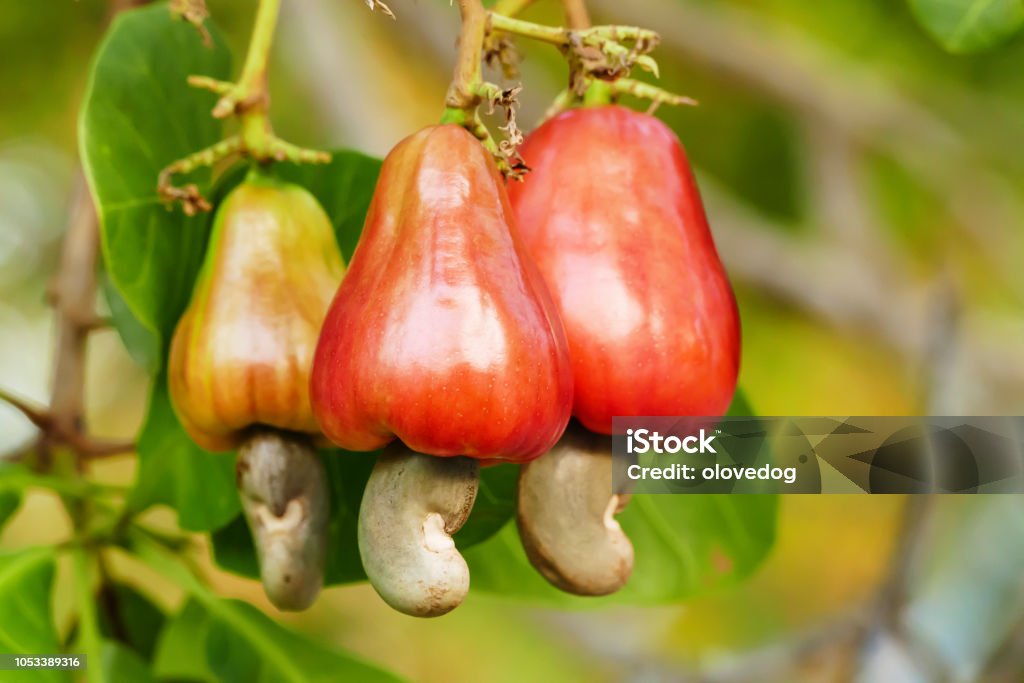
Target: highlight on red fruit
<point x="443" y="333"/>
<point x="613" y="218"/>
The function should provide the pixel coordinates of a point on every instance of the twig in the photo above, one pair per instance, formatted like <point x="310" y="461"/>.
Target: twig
<point x="576" y="15"/>
<point x="510" y="8"/>
<point x="249" y="101"/>
<point x="919" y="510"/>
<point x="74" y="301"/>
<point x="1007" y="663"/>
<point x="73" y="297"/>
<point x="468" y="90"/>
<point x="892" y="598"/>
<point x="37" y="416"/>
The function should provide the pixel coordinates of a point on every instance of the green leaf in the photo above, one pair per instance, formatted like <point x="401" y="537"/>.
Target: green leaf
<point x="9" y="502"/>
<point x="139" y="116"/>
<point x="234" y="551"/>
<point x="495" y="505"/>
<point x="740" y="406"/>
<point x="241" y="633"/>
<point x="15" y="478"/>
<point x="240" y="643"/>
<point x="130" y="617"/>
<point x="174" y="471"/>
<point x="685" y="545"/>
<point x="964" y="26"/>
<point x="26" y="620"/>
<point x="143" y="344"/>
<point x="120" y="663"/>
<point x="180" y="647"/>
<point x="347" y="473"/>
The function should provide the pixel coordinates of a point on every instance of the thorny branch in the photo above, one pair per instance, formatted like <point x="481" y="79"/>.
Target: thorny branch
<point x="73" y="297"/>
<point x="62" y="424"/>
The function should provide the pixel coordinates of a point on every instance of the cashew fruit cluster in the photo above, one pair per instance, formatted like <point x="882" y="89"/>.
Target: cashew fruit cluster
<point x="476" y="318"/>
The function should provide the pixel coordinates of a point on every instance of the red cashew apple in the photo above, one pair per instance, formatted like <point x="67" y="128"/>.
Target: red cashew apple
<point x="612" y="216"/>
<point x="443" y="333"/>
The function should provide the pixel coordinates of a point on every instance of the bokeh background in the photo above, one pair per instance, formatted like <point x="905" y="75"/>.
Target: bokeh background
<point x="866" y="191"/>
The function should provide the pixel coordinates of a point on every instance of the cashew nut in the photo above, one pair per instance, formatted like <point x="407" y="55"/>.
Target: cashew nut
<point x="412" y="505"/>
<point x="283" y="487"/>
<point x="566" y="511"/>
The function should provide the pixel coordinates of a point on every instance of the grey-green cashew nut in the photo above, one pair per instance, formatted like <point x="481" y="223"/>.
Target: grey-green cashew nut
<point x="412" y="505"/>
<point x="286" y="501"/>
<point x="566" y="516"/>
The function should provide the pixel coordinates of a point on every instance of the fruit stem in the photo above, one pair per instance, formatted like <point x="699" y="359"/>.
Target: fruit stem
<point x="576" y="15"/>
<point x="468" y="90"/>
<point x="248" y="100"/>
<point x="596" y="54"/>
<point x="604" y="52"/>
<point x="563" y="101"/>
<point x="510" y="8"/>
<point x="598" y="93"/>
<point x="599" y="82"/>
<point x="252" y="84"/>
<point x="646" y="91"/>
<point x="562" y="37"/>
<point x="463" y="91"/>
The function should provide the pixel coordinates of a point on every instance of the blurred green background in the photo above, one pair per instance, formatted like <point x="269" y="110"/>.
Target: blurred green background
<point x="866" y="191"/>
